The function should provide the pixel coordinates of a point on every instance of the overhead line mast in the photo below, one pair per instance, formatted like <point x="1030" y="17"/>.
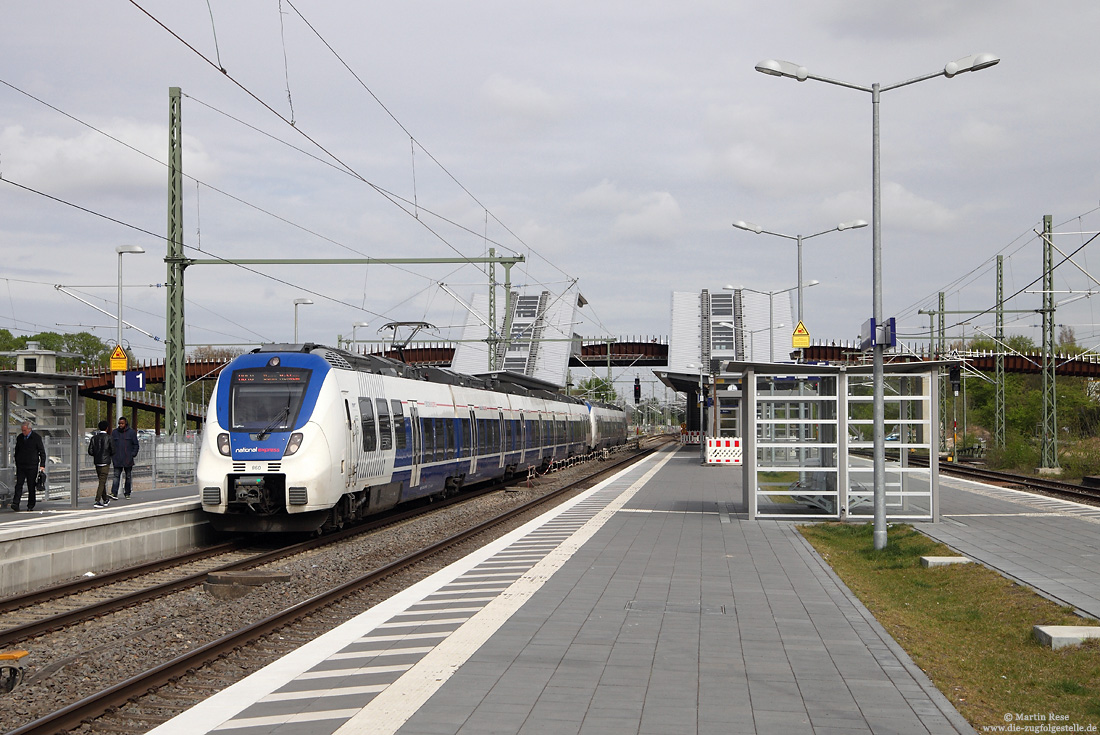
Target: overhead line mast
<point x="175" y="353"/>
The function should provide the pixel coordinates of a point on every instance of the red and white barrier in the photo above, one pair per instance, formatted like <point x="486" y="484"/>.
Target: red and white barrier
<point x="723" y="450"/>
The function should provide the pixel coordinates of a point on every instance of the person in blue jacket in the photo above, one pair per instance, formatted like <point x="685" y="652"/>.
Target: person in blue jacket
<point x="124" y="446"/>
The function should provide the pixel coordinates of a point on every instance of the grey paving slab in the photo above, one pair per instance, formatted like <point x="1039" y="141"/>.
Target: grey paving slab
<point x="1048" y="544"/>
<point x="676" y="617"/>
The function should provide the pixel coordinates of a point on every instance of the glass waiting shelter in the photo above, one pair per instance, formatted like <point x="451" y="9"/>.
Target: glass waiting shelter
<point x="807" y="440"/>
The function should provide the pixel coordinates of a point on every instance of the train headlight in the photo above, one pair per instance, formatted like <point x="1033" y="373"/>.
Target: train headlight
<point x="223" y="444"/>
<point x="293" y="444"/>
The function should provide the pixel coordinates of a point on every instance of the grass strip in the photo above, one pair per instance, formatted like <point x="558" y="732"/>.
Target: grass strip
<point x="968" y="628"/>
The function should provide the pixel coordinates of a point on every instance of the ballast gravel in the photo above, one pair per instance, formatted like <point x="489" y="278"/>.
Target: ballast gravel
<point x="68" y="665"/>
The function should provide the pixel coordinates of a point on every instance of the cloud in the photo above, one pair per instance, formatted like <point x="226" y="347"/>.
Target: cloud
<point x="901" y="209"/>
<point x="981" y="136"/>
<point x="92" y="163"/>
<point x="524" y="101"/>
<point x="652" y="215"/>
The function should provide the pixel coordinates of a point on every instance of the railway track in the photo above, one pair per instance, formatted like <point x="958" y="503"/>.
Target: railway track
<point x="252" y="641"/>
<point x="72" y="603"/>
<point x="1041" y="485"/>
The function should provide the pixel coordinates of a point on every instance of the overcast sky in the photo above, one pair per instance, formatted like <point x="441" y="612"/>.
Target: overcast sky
<point x="610" y="142"/>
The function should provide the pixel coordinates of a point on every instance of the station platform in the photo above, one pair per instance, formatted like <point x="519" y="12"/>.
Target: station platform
<point x="1050" y="545"/>
<point x="646" y="605"/>
<point x="56" y="542"/>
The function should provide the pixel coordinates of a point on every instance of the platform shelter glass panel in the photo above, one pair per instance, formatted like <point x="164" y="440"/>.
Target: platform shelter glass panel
<point x="797" y="452"/>
<point x="909" y="437"/>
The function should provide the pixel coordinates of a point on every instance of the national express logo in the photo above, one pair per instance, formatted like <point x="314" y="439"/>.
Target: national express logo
<point x="257" y="450"/>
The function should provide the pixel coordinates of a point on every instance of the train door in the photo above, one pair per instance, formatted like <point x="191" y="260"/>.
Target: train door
<point x="414" y="417"/>
<point x="522" y="438"/>
<point x="502" y="435"/>
<point x="470" y="437"/>
<point x="350" y="465"/>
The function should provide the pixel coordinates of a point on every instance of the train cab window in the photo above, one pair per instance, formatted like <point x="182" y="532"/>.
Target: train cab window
<point x="366" y="415"/>
<point x="266" y="399"/>
<point x="385" y="437"/>
<point x="398" y="424"/>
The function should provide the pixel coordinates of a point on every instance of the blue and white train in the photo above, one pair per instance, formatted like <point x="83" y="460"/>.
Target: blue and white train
<point x="306" y="437"/>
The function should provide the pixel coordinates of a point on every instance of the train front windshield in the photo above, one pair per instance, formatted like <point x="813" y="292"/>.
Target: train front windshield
<point x="266" y="399"/>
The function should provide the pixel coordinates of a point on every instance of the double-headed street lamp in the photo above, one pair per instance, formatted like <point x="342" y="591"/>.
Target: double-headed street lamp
<point x="353" y="328"/>
<point x="297" y="303"/>
<point x="749" y="332"/>
<point x="750" y="227"/>
<point x="771" y="309"/>
<point x="777" y="68"/>
<point x="121" y="250"/>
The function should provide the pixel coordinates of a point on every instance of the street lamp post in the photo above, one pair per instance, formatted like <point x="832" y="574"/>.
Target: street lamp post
<point x="353" y="328"/>
<point x="297" y="303"/>
<point x="121" y="250"/>
<point x="749" y="332"/>
<point x="702" y="412"/>
<point x="771" y="309"/>
<point x="750" y="227"/>
<point x="777" y="68"/>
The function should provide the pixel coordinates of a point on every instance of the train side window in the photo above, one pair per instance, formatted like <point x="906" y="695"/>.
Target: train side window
<point x="449" y="429"/>
<point x="385" y="436"/>
<point x="398" y="424"/>
<point x="427" y="439"/>
<point x="366" y="415"/>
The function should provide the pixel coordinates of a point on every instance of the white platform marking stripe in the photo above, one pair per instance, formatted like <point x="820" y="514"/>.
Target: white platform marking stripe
<point x="403" y="637"/>
<point x="420" y="610"/>
<point x="332" y="691"/>
<point x="400" y="623"/>
<point x="387" y="712"/>
<point x="336" y="714"/>
<point x="376" y="652"/>
<point x="353" y="670"/>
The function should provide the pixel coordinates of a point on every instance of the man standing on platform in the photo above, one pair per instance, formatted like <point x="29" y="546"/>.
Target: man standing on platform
<point x="124" y="444"/>
<point x="30" y="459"/>
<point x="100" y="449"/>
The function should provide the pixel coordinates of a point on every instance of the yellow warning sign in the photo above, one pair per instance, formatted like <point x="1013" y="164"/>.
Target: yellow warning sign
<point x="118" y="360"/>
<point x="801" y="337"/>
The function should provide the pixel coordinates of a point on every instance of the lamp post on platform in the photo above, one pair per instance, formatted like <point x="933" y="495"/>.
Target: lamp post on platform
<point x="778" y="68"/>
<point x="750" y="227"/>
<point x="353" y="328"/>
<point x="297" y="303"/>
<point x="771" y="309"/>
<point x="702" y="413"/>
<point x="122" y="250"/>
<point x="749" y="332"/>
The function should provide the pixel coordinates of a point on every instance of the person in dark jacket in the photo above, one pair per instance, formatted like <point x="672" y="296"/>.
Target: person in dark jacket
<point x="30" y="459"/>
<point x="99" y="447"/>
<point x="124" y="445"/>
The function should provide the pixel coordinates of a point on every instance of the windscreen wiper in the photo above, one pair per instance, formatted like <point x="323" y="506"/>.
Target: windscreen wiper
<point x="281" y="416"/>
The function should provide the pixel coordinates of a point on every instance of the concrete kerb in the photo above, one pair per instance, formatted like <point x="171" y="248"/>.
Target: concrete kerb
<point x="946" y="709"/>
